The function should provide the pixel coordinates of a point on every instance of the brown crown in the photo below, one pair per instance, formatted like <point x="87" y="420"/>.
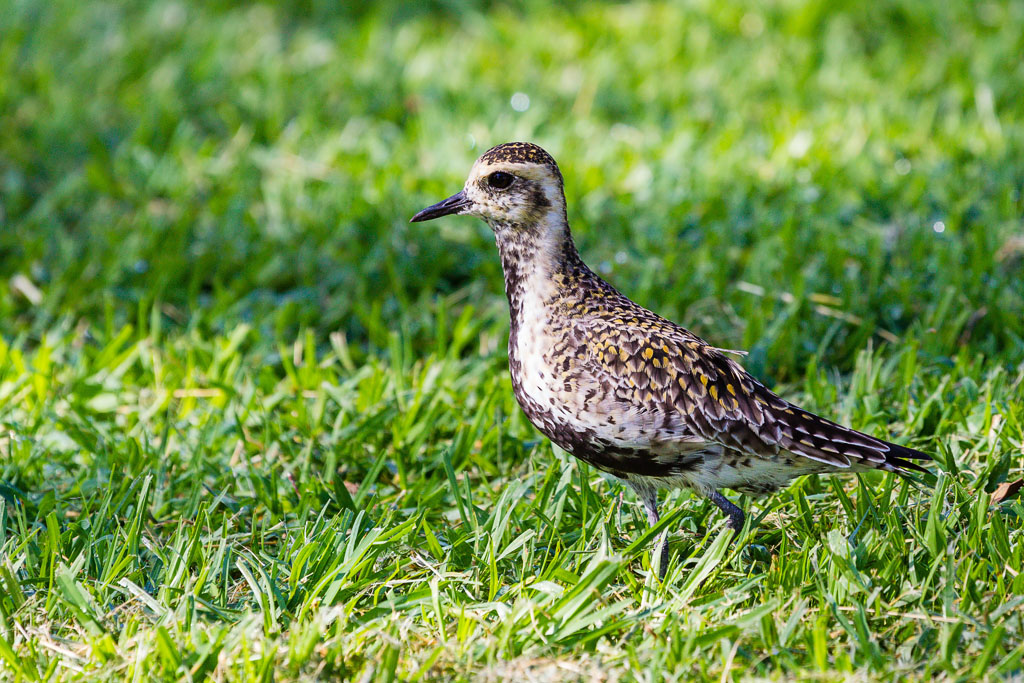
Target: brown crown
<point x="518" y="153"/>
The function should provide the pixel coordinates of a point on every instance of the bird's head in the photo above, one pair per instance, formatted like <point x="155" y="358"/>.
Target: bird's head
<point x="515" y="186"/>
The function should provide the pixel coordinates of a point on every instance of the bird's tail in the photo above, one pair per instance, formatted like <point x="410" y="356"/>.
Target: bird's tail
<point x="902" y="458"/>
<point x="819" y="439"/>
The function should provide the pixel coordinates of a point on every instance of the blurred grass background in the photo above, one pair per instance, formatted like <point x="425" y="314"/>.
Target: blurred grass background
<point x="214" y="308"/>
<point x="259" y="163"/>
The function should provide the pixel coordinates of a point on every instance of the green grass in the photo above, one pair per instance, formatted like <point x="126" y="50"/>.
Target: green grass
<point x="256" y="426"/>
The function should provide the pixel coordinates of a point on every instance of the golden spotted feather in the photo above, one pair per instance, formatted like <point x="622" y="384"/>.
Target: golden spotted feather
<point x="666" y="372"/>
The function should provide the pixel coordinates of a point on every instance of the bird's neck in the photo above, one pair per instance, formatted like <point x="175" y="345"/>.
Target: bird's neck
<point x="539" y="261"/>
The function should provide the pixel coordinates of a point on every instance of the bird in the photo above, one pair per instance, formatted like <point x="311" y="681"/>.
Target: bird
<point x="624" y="389"/>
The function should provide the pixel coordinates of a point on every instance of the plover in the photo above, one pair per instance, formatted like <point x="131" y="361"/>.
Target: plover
<point x="624" y="389"/>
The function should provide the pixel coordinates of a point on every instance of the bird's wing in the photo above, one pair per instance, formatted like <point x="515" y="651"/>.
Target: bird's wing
<point x="663" y="368"/>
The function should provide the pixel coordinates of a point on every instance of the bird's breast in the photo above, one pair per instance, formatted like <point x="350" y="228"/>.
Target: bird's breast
<point x="561" y="391"/>
<point x="536" y="351"/>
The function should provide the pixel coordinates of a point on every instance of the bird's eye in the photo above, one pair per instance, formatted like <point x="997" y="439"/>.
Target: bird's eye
<point x="500" y="180"/>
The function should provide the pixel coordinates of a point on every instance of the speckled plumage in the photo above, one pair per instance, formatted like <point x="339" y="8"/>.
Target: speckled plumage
<point x="624" y="389"/>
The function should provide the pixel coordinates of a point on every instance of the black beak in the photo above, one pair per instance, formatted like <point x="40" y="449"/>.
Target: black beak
<point x="454" y="204"/>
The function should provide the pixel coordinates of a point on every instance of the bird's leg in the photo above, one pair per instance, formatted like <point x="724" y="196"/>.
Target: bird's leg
<point x="663" y="561"/>
<point x="649" y="497"/>
<point x="733" y="512"/>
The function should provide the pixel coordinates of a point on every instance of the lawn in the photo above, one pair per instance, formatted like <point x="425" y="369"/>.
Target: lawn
<point x="254" y="425"/>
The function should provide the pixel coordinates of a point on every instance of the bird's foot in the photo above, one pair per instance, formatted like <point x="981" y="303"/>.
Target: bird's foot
<point x="663" y="560"/>
<point x="733" y="512"/>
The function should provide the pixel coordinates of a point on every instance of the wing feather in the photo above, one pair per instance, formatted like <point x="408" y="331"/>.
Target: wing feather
<point x="709" y="396"/>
